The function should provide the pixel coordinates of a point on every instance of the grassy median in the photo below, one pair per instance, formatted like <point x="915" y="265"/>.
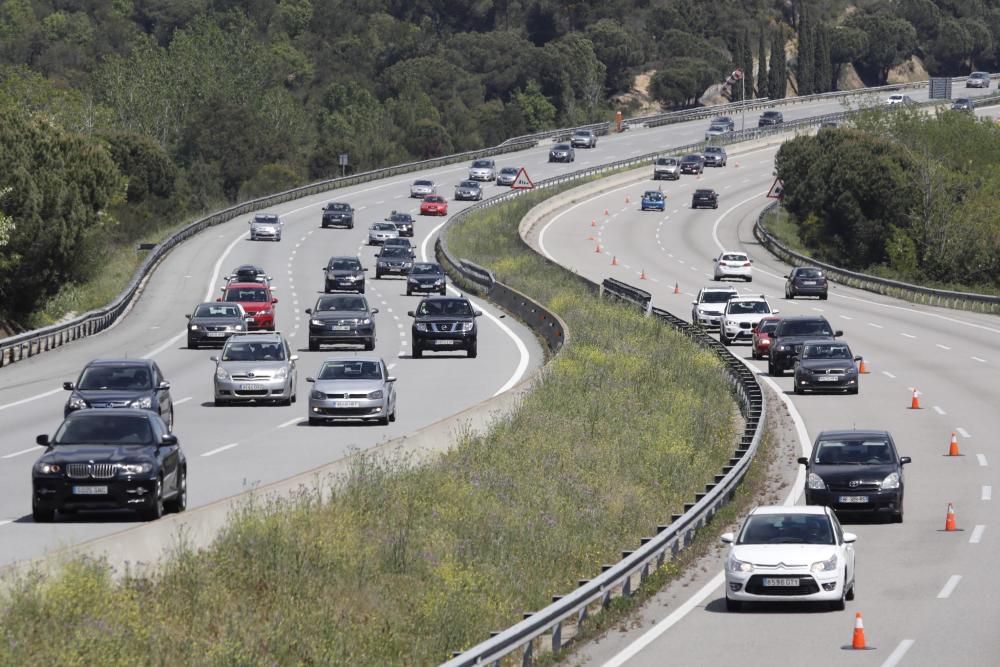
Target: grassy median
<point x="405" y="563"/>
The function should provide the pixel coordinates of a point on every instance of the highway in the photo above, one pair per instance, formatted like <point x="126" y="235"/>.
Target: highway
<point x="927" y="596"/>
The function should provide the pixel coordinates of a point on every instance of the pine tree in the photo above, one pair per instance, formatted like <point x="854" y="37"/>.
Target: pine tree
<point x="735" y="89"/>
<point x="776" y="73"/>
<point x="747" y="64"/>
<point x="824" y="61"/>
<point x="805" y="72"/>
<point x="762" y="89"/>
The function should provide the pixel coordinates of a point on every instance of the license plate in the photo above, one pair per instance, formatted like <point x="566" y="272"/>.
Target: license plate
<point x="828" y="378"/>
<point x="251" y="387"/>
<point x="90" y="490"/>
<point x="445" y="342"/>
<point x="216" y="334"/>
<point x="341" y="327"/>
<point x="347" y="404"/>
<point x="782" y="581"/>
<point x="808" y="282"/>
<point x="853" y="499"/>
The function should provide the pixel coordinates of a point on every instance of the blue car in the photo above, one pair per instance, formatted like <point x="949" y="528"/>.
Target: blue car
<point x="653" y="200"/>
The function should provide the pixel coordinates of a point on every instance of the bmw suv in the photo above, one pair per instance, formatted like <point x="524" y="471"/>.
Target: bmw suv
<point x="444" y="323"/>
<point x="121" y="383"/>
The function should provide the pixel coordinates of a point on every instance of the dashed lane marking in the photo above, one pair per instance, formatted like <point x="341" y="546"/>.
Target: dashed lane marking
<point x="939" y="410"/>
<point x="906" y="335"/>
<point x="180" y="401"/>
<point x="949" y="587"/>
<point x="215" y="451"/>
<point x="897" y="655"/>
<point x="290" y="422"/>
<point x="962" y="432"/>
<point x="889" y="375"/>
<point x="877" y="326"/>
<point x="982" y="460"/>
<point x="977" y="534"/>
<point x="987" y="492"/>
<point x="30" y="398"/>
<point x="982" y="361"/>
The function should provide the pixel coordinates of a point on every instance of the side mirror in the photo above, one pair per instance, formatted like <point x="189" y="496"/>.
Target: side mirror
<point x="727" y="538"/>
<point x="390" y="379"/>
<point x="294" y="357"/>
<point x="168" y="439"/>
<point x="784" y="276"/>
<point x="374" y="310"/>
<point x="410" y="313"/>
<point x="477" y="313"/>
<point x="219" y="299"/>
<point x="803" y="461"/>
<point x="68" y="386"/>
<point x="215" y="359"/>
<point x="715" y="259"/>
<point x="42" y="440"/>
<point x="775" y="312"/>
<point x="310" y="379"/>
<point x="850" y="538"/>
<point x="308" y="311"/>
<point x="903" y="460"/>
<point x="838" y="333"/>
<point x="274" y="299"/>
<point x="364" y="268"/>
<point x="858" y="358"/>
<point x="164" y="385"/>
<point x="188" y="316"/>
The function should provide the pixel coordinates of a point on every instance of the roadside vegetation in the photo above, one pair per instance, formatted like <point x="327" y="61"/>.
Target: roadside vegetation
<point x="402" y="564"/>
<point x="903" y="194"/>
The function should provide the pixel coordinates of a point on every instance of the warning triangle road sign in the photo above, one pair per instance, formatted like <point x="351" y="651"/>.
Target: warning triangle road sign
<point x="777" y="190"/>
<point x="522" y="182"/>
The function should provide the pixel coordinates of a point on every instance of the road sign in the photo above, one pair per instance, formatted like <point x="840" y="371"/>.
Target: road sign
<point x="940" y="88"/>
<point x="737" y="74"/>
<point x="777" y="190"/>
<point x="522" y="182"/>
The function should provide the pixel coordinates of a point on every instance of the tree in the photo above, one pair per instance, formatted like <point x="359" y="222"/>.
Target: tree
<point x="952" y="48"/>
<point x="824" y="61"/>
<point x="805" y="70"/>
<point x="538" y="112"/>
<point x="891" y="40"/>
<point x="746" y="62"/>
<point x="847" y="45"/>
<point x="684" y="81"/>
<point x="762" y="85"/>
<point x="777" y="76"/>
<point x="619" y="51"/>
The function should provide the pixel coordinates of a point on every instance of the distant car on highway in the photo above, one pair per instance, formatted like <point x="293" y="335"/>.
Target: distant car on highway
<point x="266" y="227"/>
<point x="444" y="323"/>
<point x="978" y="80"/>
<point x="714" y="156"/>
<point x="708" y="306"/>
<point x="899" y="98"/>
<point x="725" y="121"/>
<point x="255" y="367"/>
<point x="826" y="365"/>
<point x="806" y="281"/>
<point x="562" y="153"/>
<point x="962" y="104"/>
<point x="741" y="316"/>
<point x="468" y="190"/>
<point x="653" y="200"/>
<point x="422" y="187"/>
<point x="856" y="472"/>
<point x="733" y="264"/>
<point x="213" y="322"/>
<point x="344" y="274"/>
<point x="761" y="341"/>
<point x="380" y="232"/>
<point x="692" y="164"/>
<point x="257" y="301"/>
<point x="121" y="383"/>
<point x="426" y="277"/>
<point x="434" y="205"/>
<point x="714" y="131"/>
<point x="393" y="260"/>
<point x="770" y="118"/>
<point x="483" y="170"/>
<point x="668" y="168"/>
<point x="403" y="222"/>
<point x="705" y="198"/>
<point x="355" y="388"/>
<point x="109" y="460"/>
<point x="338" y="214"/>
<point x="789" y="336"/>
<point x="507" y="175"/>
<point x="341" y="319"/>
<point x="584" y="139"/>
<point x="789" y="554"/>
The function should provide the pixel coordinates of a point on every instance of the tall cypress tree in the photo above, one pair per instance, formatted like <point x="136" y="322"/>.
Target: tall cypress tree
<point x="762" y="89"/>
<point x="776" y="73"/>
<point x="805" y="72"/>
<point x="735" y="88"/>
<point x="824" y="61"/>
<point x="747" y="64"/>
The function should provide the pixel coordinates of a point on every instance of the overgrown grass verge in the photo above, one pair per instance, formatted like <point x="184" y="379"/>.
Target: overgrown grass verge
<point x="403" y="564"/>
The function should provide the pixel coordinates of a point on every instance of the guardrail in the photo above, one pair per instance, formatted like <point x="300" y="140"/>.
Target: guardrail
<point x="926" y="295"/>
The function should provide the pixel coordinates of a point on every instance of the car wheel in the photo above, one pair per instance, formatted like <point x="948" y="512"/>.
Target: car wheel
<point x="772" y="369"/>
<point x="725" y="340"/>
<point x="838" y="605"/>
<point x="749" y="279"/>
<point x="313" y="346"/>
<point x="42" y="515"/>
<point x="383" y="421"/>
<point x="852" y="390"/>
<point x="715" y="206"/>
<point x="443" y="291"/>
<point x="733" y="605"/>
<point x="416" y="352"/>
<point x="350" y="226"/>
<point x="362" y="290"/>
<point x="392" y="415"/>
<point x="179" y="503"/>
<point x="797" y="389"/>
<point x="220" y="402"/>
<point x="473" y="350"/>
<point x="156" y="511"/>
<point x="850" y="591"/>
<point x="170" y="420"/>
<point x="192" y="345"/>
<point x="323" y="225"/>
<point x="409" y="292"/>
<point x="370" y="345"/>
<point x="754" y="355"/>
<point x="378" y="275"/>
<point x="315" y="422"/>
<point x="898" y="517"/>
<point x="822" y="297"/>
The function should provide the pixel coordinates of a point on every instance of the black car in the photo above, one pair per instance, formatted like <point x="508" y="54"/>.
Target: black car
<point x="393" y="260"/>
<point x="106" y="460"/>
<point x="213" y="322"/>
<point x="962" y="104"/>
<point x="770" y="118"/>
<point x="344" y="274"/>
<point x="705" y="198"/>
<point x="788" y="336"/>
<point x="341" y="319"/>
<point x="248" y="273"/>
<point x="562" y="153"/>
<point x="856" y="471"/>
<point x="121" y="383"/>
<point x="805" y="281"/>
<point x="692" y="164"/>
<point x="826" y="365"/>
<point x="426" y="277"/>
<point x="338" y="214"/>
<point x="444" y="323"/>
<point x="403" y="222"/>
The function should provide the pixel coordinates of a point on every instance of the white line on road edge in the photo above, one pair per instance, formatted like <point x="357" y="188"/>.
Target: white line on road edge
<point x="23" y="451"/>
<point x="982" y="460"/>
<point x="949" y="587"/>
<point x="221" y="449"/>
<point x="30" y="399"/>
<point x="987" y="492"/>
<point x="962" y="432"/>
<point x="982" y="361"/>
<point x="290" y="422"/>
<point x="4" y="522"/>
<point x="182" y="400"/>
<point x="898" y="654"/>
<point x="977" y="534"/>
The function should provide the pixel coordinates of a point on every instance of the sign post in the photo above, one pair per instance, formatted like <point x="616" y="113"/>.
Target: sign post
<point x="522" y="182"/>
<point x="777" y="190"/>
<point x="343" y="164"/>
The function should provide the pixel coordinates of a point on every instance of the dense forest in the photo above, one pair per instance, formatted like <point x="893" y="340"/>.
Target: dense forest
<point x="124" y="116"/>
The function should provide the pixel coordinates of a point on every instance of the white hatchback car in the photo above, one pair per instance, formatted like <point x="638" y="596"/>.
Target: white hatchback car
<point x="731" y="264"/>
<point x="741" y="315"/>
<point x="790" y="554"/>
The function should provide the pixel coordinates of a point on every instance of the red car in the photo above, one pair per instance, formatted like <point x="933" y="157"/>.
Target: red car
<point x="256" y="300"/>
<point x="762" y="336"/>
<point x="434" y="205"/>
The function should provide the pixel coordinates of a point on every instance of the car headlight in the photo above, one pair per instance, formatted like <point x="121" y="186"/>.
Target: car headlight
<point x="439" y="281"/>
<point x="421" y="326"/>
<point x="142" y="403"/>
<point x="351" y="278"/>
<point x="134" y="468"/>
<point x="48" y="468"/>
<point x="782" y="348"/>
<point x="238" y="327"/>
<point x="77" y="403"/>
<point x="220" y="373"/>
<point x="467" y="326"/>
<point x="367" y="320"/>
<point x="407" y="265"/>
<point x="316" y="323"/>
<point x="194" y="327"/>
<point x="736" y="565"/>
<point x="375" y="395"/>
<point x="891" y="481"/>
<point x="413" y="280"/>
<point x="828" y="565"/>
<point x="814" y="481"/>
<point x="317" y="395"/>
<point x="282" y="373"/>
<point x="266" y="312"/>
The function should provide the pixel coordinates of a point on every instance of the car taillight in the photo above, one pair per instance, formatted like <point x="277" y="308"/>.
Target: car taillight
<point x="746" y="263"/>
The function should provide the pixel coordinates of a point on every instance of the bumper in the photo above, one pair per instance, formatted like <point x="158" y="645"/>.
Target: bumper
<point x="258" y="322"/>
<point x="442" y="341"/>
<point x="265" y="236"/>
<point x="689" y="170"/>
<point x="338" y="222"/>
<point x="359" y="336"/>
<point x="667" y="175"/>
<point x="704" y="203"/>
<point x="814" y="383"/>
<point x="406" y="232"/>
<point x="419" y="194"/>
<point x="710" y="320"/>
<point x="129" y="493"/>
<point x="812" y="586"/>
<point x="731" y="273"/>
<point x="334" y="410"/>
<point x="467" y="197"/>
<point x="809" y="290"/>
<point x="392" y="270"/>
<point x="377" y="240"/>
<point x="875" y="501"/>
<point x="424" y="287"/>
<point x="713" y="162"/>
<point x="245" y="390"/>
<point x="652" y="206"/>
<point x="505" y="181"/>
<point x="762" y="348"/>
<point x="739" y="333"/>
<point x="200" y="337"/>
<point x="781" y="360"/>
<point x="482" y="176"/>
<point x="559" y="158"/>
<point x="344" y="285"/>
<point x="433" y="211"/>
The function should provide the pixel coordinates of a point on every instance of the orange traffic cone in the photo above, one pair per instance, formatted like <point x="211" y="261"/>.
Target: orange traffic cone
<point x="736" y="164"/>
<point x="915" y="400"/>
<point x="614" y="260"/>
<point x="591" y="238"/>
<point x="626" y="199"/>
<point x="598" y="248"/>
<point x="642" y="274"/>
<point x="858" y="641"/>
<point x="953" y="447"/>
<point x="862" y="368"/>
<point x="593" y="223"/>
<point x="677" y="288"/>
<point x="949" y="522"/>
<point x="605" y="211"/>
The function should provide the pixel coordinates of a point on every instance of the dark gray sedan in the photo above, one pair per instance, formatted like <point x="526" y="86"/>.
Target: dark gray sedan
<point x="213" y="322"/>
<point x="341" y="319"/>
<point x="562" y="153"/>
<point x="825" y="365"/>
<point x="468" y="190"/>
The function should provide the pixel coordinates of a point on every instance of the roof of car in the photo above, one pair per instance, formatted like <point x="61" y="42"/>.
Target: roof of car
<point x="121" y="362"/>
<point x="802" y="318"/>
<point x="343" y="257"/>
<point x="748" y="297"/>
<point x="359" y="357"/>
<point x="236" y="285"/>
<point x="789" y="509"/>
<point x="113" y="414"/>
<point x="719" y="288"/>
<point x="445" y="298"/>
<point x="853" y="433"/>
<point x="256" y="335"/>
<point x="704" y="191"/>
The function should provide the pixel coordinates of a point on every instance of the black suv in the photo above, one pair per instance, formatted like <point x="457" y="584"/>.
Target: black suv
<point x="705" y="198"/>
<point x="101" y="460"/>
<point x="344" y="274"/>
<point x="692" y="164"/>
<point x="788" y="336"/>
<point x="403" y="222"/>
<point x="444" y="323"/>
<point x="121" y="383"/>
<point x="394" y="259"/>
<point x="770" y="118"/>
<point x="339" y="319"/>
<point x="338" y="214"/>
<point x="856" y="471"/>
<point x="426" y="277"/>
<point x="805" y="281"/>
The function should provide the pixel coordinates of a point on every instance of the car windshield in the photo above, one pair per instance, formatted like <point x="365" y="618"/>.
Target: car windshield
<point x="216" y="310"/>
<point x="826" y="351"/>
<point x="108" y="429"/>
<point x="426" y="268"/>
<point x="859" y="451"/>
<point x="344" y="265"/>
<point x="692" y="158"/>
<point x="394" y="252"/>
<point x="561" y="147"/>
<point x="767" y="326"/>
<point x="747" y="307"/>
<point x="126" y="378"/>
<point x="253" y="351"/>
<point x="401" y="217"/>
<point x="456" y="307"/>
<point x="806" y="328"/>
<point x="654" y="196"/>
<point x="718" y="128"/>
<point x="268" y="219"/>
<point x="509" y="170"/>
<point x="428" y="183"/>
<point x="771" y="114"/>
<point x="481" y="164"/>
<point x="434" y="199"/>
<point x="713" y="149"/>
<point x="384" y="227"/>
<point x="582" y="133"/>
<point x="733" y="257"/>
<point x="716" y="297"/>
<point x="704" y="193"/>
<point x="787" y="529"/>
<point x="340" y="303"/>
<point x="666" y="161"/>
<point x="351" y="370"/>
<point x="468" y="184"/>
<point x="808" y="273"/>
<point x="246" y="295"/>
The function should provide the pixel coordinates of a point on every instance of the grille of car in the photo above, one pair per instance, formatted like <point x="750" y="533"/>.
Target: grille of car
<point x="216" y="328"/>
<point x="446" y="327"/>
<point x="94" y="470"/>
<point x="109" y="404"/>
<point x="746" y="325"/>
<point x="347" y="395"/>
<point x="347" y="412"/>
<point x="251" y="377"/>
<point x="859" y="485"/>
<point x="807" y="585"/>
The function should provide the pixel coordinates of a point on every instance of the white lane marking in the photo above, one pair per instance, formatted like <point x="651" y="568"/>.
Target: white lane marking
<point x="943" y="347"/>
<point x="182" y="400"/>
<point x="846" y="317"/>
<point x="31" y="398"/>
<point x="982" y="361"/>
<point x="877" y="326"/>
<point x="889" y="375"/>
<point x="290" y="422"/>
<point x="982" y="460"/>
<point x="4" y="522"/>
<point x="962" y="432"/>
<point x="949" y="587"/>
<point x="939" y="410"/>
<point x="718" y="221"/>
<point x="987" y="492"/>
<point x="23" y="451"/>
<point x="221" y="449"/>
<point x="907" y="335"/>
<point x="977" y="534"/>
<point x="898" y="653"/>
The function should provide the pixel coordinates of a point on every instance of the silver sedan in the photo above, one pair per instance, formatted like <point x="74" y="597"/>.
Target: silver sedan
<point x="352" y="387"/>
<point x="422" y="187"/>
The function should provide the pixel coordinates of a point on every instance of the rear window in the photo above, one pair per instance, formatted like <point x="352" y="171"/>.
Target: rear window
<point x="805" y="328"/>
<point x="716" y="297"/>
<point x="216" y="311"/>
<point x="246" y="295"/>
<point x="733" y="257"/>
<point x="809" y="273"/>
